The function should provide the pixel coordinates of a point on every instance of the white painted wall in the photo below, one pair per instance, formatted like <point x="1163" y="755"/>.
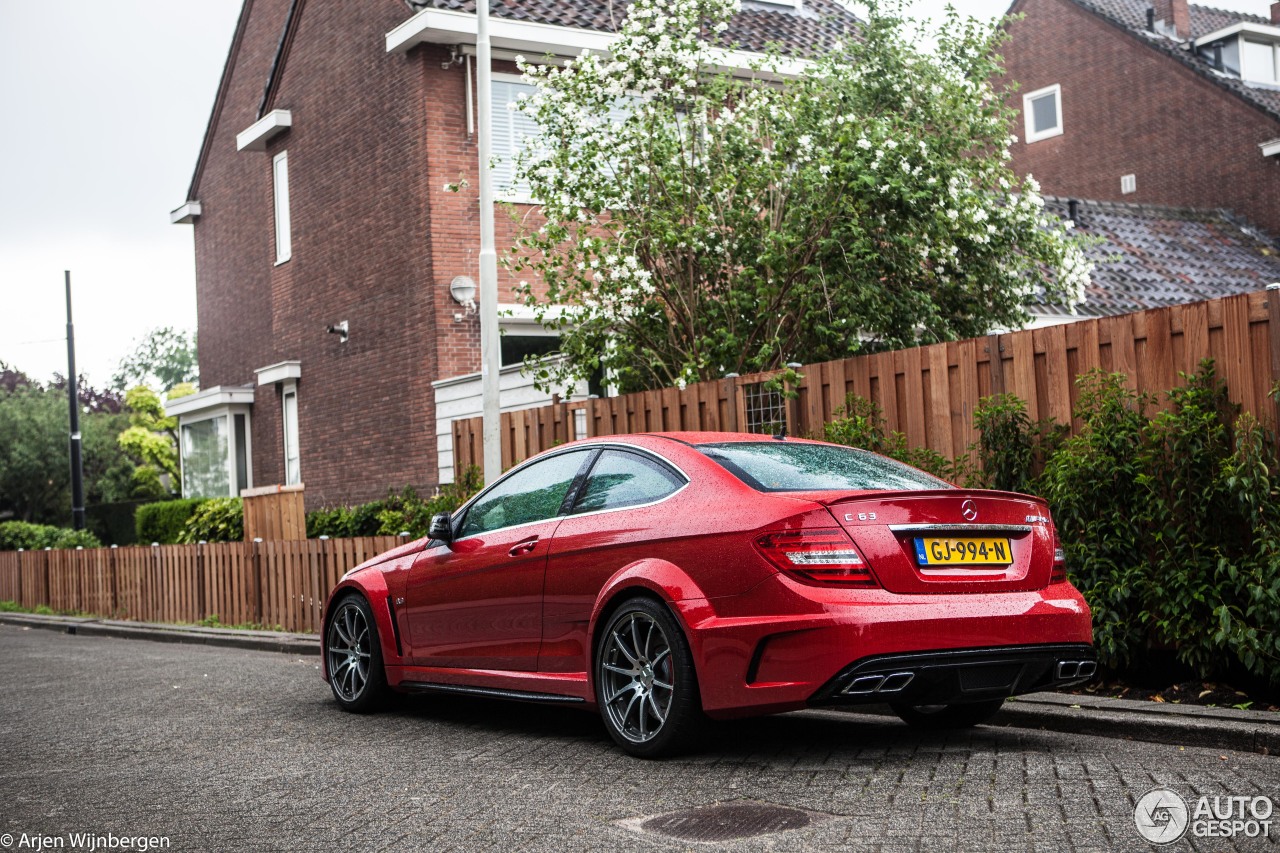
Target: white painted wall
<point x="459" y="397"/>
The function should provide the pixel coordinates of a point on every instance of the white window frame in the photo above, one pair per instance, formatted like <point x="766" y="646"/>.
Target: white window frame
<point x="508" y="194"/>
<point x="290" y="389"/>
<point x="229" y="412"/>
<point x="1246" y="71"/>
<point x="1028" y="115"/>
<point x="280" y="195"/>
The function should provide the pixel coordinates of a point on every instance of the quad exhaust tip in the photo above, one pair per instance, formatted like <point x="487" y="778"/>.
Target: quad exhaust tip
<point x="868" y="684"/>
<point x="1071" y="670"/>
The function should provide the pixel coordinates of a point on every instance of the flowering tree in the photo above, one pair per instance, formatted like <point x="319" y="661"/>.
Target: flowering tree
<point x="704" y="221"/>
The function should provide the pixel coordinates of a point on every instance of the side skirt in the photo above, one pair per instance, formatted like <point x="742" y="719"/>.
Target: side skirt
<point x="528" y="686"/>
<point x="490" y="692"/>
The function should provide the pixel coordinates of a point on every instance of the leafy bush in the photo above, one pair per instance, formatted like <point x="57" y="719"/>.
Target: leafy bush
<point x="1011" y="448"/>
<point x="1166" y="526"/>
<point x="34" y="537"/>
<point x="164" y="521"/>
<point x="860" y="423"/>
<point x="215" y="520"/>
<point x="1093" y="491"/>
<point x="396" y="513"/>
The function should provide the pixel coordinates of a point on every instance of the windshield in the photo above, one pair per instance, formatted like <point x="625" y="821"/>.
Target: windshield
<point x="780" y="466"/>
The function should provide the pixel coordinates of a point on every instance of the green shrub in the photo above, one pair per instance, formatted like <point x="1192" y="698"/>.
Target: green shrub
<point x="24" y="535"/>
<point x="71" y="539"/>
<point x="215" y="520"/>
<point x="164" y="521"/>
<point x="34" y="537"/>
<point x="860" y="423"/>
<point x="396" y="513"/>
<point x="1166" y="526"/>
<point x="1093" y="490"/>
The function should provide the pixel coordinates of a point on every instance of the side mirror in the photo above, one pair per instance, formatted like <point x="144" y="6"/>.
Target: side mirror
<point x="441" y="527"/>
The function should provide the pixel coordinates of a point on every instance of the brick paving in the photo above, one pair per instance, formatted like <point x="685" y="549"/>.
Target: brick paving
<point x="224" y="749"/>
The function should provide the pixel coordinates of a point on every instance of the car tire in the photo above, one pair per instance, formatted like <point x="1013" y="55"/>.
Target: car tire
<point x="941" y="717"/>
<point x="646" y="687"/>
<point x="353" y="656"/>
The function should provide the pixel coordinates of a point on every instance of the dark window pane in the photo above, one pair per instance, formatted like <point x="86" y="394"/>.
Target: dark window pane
<point x="531" y="494"/>
<point x="792" y="467"/>
<point x="242" y="455"/>
<point x="620" y="479"/>
<point x="514" y="348"/>
<point x="1044" y="112"/>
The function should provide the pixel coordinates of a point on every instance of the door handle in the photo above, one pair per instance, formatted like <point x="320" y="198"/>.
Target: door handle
<point x="524" y="547"/>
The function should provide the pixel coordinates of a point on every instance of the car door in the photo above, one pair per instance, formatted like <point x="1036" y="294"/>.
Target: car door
<point x="620" y="515"/>
<point x="477" y="603"/>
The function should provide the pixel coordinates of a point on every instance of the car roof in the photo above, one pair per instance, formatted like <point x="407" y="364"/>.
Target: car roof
<point x="715" y="437"/>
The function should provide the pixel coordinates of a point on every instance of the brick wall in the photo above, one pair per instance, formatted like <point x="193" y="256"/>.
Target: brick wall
<point x="1127" y="109"/>
<point x="376" y="242"/>
<point x="358" y="170"/>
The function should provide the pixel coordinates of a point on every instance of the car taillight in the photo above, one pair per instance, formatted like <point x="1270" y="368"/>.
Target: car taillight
<point x="1059" y="573"/>
<point x="821" y="555"/>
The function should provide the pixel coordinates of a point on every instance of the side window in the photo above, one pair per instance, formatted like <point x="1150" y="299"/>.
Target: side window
<point x="533" y="494"/>
<point x="620" y="479"/>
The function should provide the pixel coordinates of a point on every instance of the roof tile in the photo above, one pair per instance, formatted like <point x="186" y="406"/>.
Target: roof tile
<point x="757" y="25"/>
<point x="1150" y="256"/>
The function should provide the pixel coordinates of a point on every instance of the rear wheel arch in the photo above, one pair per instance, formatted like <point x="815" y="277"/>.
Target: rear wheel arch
<point x="664" y="582"/>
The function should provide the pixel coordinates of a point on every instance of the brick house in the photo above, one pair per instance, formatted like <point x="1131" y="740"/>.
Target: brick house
<point x="336" y="336"/>
<point x="1167" y="104"/>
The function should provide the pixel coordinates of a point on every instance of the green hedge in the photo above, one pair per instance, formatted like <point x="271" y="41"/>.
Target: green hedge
<point x="215" y="520"/>
<point x="35" y="537"/>
<point x="164" y="521"/>
<point x="396" y="513"/>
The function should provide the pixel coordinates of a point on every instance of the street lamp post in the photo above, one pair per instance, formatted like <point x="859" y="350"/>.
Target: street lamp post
<point x="490" y="357"/>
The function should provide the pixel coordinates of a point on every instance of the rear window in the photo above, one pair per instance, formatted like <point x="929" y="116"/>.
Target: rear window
<point x="779" y="466"/>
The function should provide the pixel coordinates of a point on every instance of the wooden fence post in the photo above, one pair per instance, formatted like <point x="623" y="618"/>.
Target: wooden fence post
<point x="258" y="581"/>
<point x="202" y="580"/>
<point x="731" y="396"/>
<point x="115" y="582"/>
<point x="996" y="363"/>
<point x="1273" y="334"/>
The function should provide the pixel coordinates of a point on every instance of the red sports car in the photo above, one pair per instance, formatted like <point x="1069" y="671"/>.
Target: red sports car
<point x="665" y="578"/>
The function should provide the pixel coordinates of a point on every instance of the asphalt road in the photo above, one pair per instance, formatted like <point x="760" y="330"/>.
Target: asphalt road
<point x="221" y="749"/>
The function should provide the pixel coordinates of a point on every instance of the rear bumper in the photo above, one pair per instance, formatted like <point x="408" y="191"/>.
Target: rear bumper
<point x="959" y="675"/>
<point x="815" y="641"/>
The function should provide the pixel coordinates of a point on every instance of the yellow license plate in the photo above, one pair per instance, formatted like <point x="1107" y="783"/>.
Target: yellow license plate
<point x="962" y="551"/>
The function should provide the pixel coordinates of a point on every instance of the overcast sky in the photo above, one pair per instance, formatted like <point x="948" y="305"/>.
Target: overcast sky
<point x="103" y="107"/>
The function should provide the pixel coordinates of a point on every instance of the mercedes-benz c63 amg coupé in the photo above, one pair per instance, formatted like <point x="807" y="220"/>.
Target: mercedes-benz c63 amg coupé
<point x="666" y="578"/>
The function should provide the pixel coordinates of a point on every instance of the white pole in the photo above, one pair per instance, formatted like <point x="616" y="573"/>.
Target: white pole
<point x="490" y="356"/>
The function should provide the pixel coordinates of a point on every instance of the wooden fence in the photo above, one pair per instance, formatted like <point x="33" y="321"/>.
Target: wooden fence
<point x="929" y="393"/>
<point x="274" y="583"/>
<point x="274" y="513"/>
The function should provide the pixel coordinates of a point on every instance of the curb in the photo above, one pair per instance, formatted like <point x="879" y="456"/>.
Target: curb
<point x="1152" y="722"/>
<point x="264" y="641"/>
<point x="1178" y="725"/>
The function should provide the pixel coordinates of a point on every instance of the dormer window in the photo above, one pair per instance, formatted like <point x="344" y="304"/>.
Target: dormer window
<point x="1248" y="50"/>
